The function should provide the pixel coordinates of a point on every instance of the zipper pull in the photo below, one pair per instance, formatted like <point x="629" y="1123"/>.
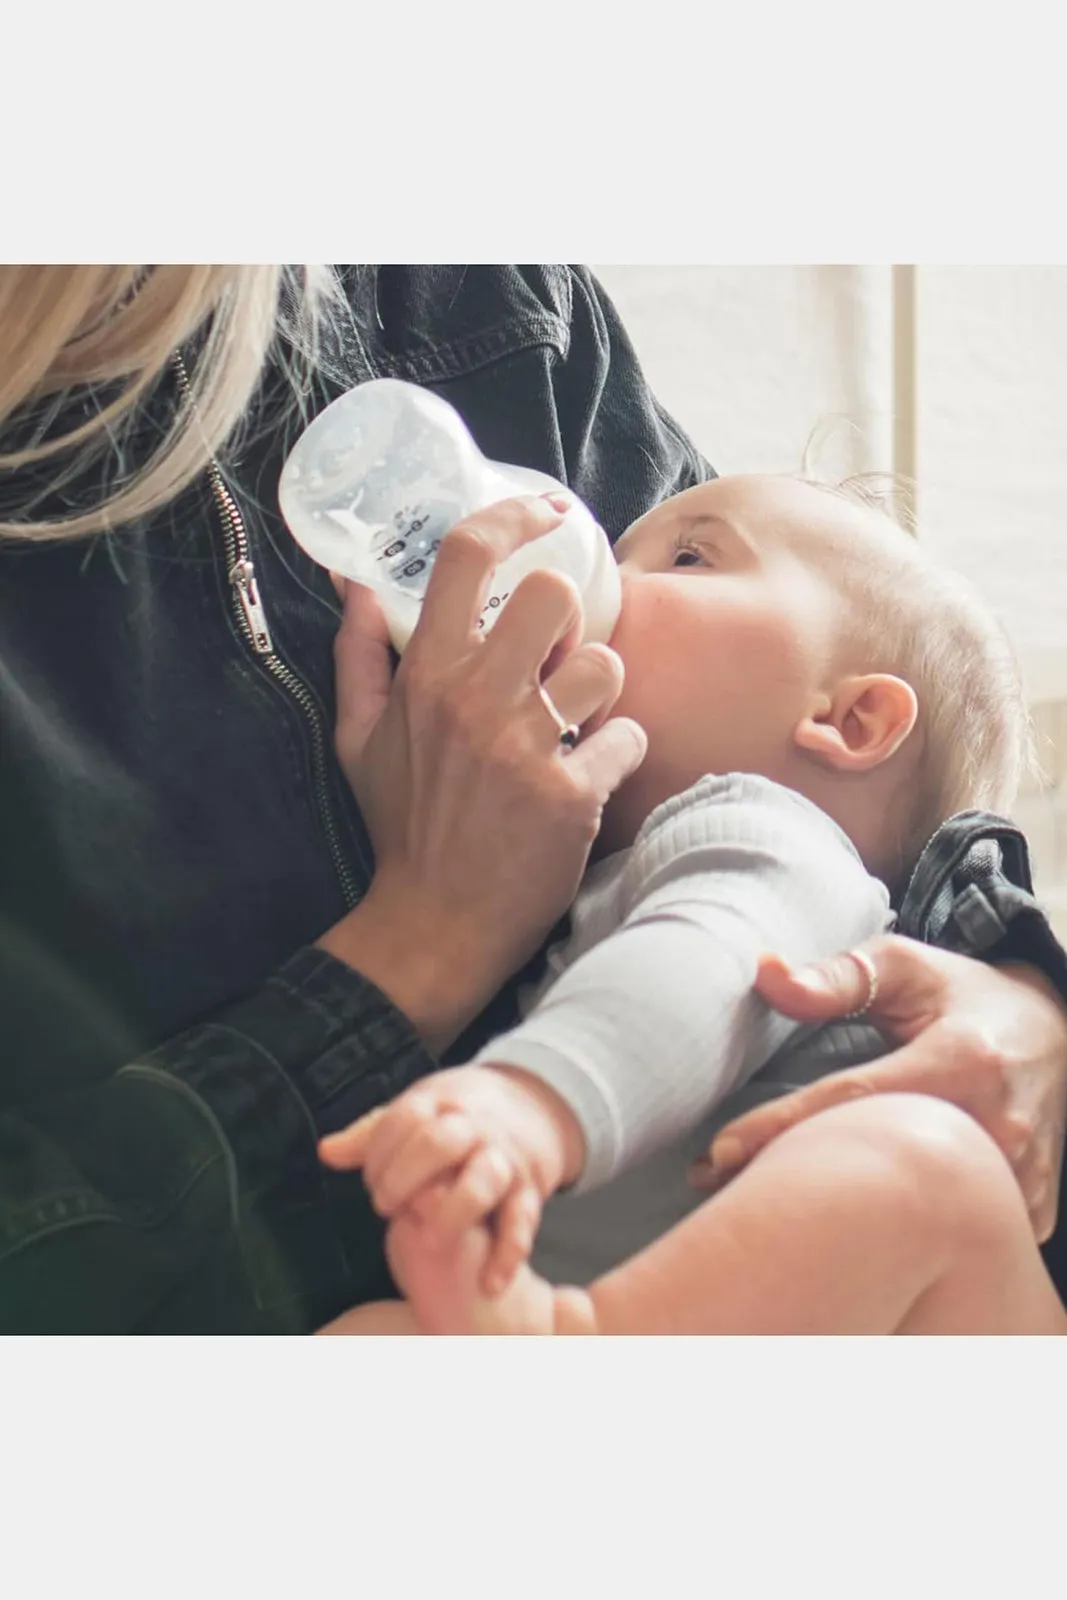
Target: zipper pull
<point x="243" y="579"/>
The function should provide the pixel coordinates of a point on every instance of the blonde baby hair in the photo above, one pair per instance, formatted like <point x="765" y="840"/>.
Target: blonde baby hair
<point x="915" y="618"/>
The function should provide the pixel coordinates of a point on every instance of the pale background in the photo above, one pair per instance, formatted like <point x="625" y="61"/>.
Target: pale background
<point x="968" y="390"/>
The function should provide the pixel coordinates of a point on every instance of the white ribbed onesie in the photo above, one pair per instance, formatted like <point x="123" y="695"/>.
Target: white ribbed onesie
<point x="647" y="1023"/>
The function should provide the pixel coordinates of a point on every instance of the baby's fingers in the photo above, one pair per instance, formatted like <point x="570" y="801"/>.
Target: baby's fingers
<point x="426" y="1202"/>
<point x="417" y="1108"/>
<point x="476" y="1193"/>
<point x="514" y="1231"/>
<point x="431" y="1149"/>
<point x="348" y="1148"/>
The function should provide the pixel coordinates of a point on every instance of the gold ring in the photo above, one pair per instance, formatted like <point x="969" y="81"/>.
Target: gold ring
<point x="569" y="732"/>
<point x="867" y="967"/>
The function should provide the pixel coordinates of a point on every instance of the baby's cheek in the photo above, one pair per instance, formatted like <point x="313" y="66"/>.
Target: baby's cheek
<point x="656" y="661"/>
<point x="654" y="611"/>
<point x="776" y="651"/>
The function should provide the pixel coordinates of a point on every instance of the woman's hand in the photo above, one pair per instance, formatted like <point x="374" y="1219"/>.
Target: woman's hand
<point x="481" y="824"/>
<point x="991" y="1040"/>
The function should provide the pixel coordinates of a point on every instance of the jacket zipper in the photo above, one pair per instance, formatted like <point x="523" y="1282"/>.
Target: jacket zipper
<point x="251" y="617"/>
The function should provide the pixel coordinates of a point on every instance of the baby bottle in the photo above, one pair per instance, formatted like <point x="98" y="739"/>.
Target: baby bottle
<point x="373" y="485"/>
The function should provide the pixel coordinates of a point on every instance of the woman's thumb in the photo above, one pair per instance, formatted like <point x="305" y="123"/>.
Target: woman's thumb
<point x="364" y="668"/>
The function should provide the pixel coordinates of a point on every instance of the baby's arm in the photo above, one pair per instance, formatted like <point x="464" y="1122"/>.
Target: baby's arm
<point x="640" y="1037"/>
<point x="650" y="1029"/>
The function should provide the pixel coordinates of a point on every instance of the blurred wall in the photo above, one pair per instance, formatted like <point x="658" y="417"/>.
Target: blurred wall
<point x="750" y="359"/>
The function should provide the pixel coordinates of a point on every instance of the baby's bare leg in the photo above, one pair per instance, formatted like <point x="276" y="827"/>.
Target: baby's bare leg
<point x="895" y="1214"/>
<point x="381" y="1318"/>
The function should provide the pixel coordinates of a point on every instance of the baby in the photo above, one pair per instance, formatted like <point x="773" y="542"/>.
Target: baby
<point x="818" y="697"/>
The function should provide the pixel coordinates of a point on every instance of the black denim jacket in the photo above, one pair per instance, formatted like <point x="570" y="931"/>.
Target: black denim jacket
<point x="174" y="834"/>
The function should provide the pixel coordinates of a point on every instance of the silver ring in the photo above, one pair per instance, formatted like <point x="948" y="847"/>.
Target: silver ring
<point x="867" y="967"/>
<point x="569" y="732"/>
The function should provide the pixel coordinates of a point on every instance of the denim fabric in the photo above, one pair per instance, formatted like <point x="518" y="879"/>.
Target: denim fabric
<point x="171" y="1046"/>
<point x="972" y="891"/>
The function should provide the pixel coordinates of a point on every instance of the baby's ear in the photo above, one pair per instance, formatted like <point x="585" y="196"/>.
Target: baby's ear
<point x="862" y="724"/>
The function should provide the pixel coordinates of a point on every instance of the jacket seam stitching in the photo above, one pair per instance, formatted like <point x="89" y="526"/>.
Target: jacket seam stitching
<point x="113" y="1217"/>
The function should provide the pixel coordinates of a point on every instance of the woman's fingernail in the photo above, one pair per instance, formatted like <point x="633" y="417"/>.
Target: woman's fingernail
<point x="559" y="501"/>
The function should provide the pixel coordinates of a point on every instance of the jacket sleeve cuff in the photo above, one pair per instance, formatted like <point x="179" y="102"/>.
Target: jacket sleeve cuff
<point x="317" y="1046"/>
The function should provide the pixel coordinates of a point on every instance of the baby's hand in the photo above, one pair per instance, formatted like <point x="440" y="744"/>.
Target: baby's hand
<point x="463" y="1145"/>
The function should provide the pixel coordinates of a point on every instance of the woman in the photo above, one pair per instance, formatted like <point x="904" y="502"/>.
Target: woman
<point x="201" y="969"/>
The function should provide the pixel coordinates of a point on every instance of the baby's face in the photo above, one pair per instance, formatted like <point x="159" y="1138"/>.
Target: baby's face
<point x="727" y="630"/>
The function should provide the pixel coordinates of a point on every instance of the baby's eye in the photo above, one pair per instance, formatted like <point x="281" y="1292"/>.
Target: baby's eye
<point x="687" y="555"/>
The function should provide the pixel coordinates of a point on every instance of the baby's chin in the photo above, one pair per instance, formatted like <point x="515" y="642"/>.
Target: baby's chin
<point x="617" y="828"/>
<point x="631" y="806"/>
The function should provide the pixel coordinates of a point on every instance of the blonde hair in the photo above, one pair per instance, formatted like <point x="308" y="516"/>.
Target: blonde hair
<point x="106" y="334"/>
<point x="914" y="618"/>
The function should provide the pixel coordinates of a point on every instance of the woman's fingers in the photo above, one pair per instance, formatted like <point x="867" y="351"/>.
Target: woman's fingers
<point x="908" y="996"/>
<point x="547" y="617"/>
<point x="740" y="1142"/>
<point x="607" y="757"/>
<point x="464" y="566"/>
<point x="990" y="1041"/>
<point x="543" y="610"/>
<point x="809" y="994"/>
<point x="587" y="685"/>
<point x="364" y="670"/>
<point x="929" y="1065"/>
